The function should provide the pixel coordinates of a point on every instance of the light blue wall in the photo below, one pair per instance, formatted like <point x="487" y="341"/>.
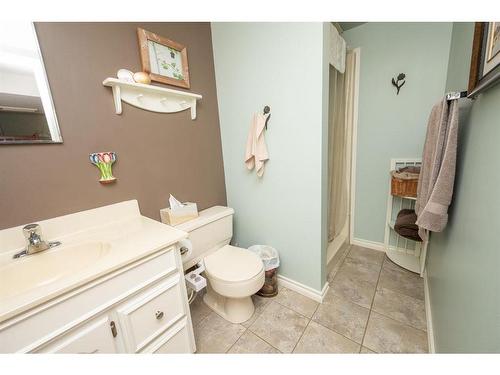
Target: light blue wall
<point x="280" y="65"/>
<point x="390" y="125"/>
<point x="463" y="261"/>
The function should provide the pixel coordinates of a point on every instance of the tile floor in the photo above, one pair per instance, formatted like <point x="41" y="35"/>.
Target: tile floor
<point x="372" y="306"/>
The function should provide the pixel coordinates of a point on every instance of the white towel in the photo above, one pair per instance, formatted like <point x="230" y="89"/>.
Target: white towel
<point x="337" y="50"/>
<point x="256" y="151"/>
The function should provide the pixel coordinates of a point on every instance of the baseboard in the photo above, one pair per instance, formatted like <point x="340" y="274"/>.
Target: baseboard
<point x="379" y="246"/>
<point x="305" y="290"/>
<point x="428" y="315"/>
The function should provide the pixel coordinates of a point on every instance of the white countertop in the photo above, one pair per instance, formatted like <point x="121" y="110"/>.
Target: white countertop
<point x="127" y="239"/>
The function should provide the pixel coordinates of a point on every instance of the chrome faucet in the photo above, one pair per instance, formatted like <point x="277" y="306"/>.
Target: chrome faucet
<point x="34" y="241"/>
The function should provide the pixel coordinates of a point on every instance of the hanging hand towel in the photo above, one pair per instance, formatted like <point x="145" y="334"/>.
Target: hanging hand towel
<point x="437" y="175"/>
<point x="256" y="151"/>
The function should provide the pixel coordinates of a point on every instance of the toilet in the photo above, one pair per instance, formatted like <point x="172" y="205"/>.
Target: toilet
<point x="234" y="274"/>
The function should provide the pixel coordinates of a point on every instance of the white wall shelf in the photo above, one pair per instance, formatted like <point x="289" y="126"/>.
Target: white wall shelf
<point x="151" y="98"/>
<point x="402" y="251"/>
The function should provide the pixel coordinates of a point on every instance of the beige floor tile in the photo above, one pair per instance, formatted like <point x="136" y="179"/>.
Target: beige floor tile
<point x="318" y="339"/>
<point x="385" y="335"/>
<point x="400" y="280"/>
<point x="360" y="270"/>
<point x="342" y="316"/>
<point x="366" y="351"/>
<point x="280" y="326"/>
<point x="199" y="310"/>
<point x="297" y="302"/>
<point x="260" y="303"/>
<point x="366" y="255"/>
<point x="400" y="307"/>
<point x="216" y="335"/>
<point x="251" y="343"/>
<point x="347" y="286"/>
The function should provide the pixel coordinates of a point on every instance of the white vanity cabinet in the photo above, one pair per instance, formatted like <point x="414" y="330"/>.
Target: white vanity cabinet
<point x="139" y="308"/>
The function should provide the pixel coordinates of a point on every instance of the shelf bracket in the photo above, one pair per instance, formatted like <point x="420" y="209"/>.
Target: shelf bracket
<point x="117" y="99"/>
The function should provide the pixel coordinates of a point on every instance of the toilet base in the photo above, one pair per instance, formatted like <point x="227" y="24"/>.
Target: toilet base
<point x="234" y="310"/>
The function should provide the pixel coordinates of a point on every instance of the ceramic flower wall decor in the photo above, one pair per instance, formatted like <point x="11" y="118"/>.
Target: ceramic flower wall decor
<point x="104" y="161"/>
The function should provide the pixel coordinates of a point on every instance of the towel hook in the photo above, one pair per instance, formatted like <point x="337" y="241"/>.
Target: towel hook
<point x="267" y="109"/>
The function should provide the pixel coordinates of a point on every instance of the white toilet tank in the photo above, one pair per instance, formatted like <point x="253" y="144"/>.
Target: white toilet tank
<point x="210" y="231"/>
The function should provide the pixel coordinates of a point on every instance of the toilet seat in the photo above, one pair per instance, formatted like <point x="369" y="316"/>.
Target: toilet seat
<point x="234" y="272"/>
<point x="231" y="264"/>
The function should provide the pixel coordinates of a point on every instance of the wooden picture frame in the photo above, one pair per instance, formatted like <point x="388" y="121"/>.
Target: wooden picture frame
<point x="165" y="60"/>
<point x="485" y="66"/>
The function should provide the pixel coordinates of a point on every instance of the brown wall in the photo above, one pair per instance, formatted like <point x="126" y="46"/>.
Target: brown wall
<point x="157" y="154"/>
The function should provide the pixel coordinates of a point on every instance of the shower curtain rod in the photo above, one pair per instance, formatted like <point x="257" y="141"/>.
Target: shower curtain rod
<point x="456" y="95"/>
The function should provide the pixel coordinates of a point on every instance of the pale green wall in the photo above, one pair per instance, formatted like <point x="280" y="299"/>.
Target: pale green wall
<point x="463" y="261"/>
<point x="390" y="125"/>
<point x="280" y="65"/>
<point x="460" y="53"/>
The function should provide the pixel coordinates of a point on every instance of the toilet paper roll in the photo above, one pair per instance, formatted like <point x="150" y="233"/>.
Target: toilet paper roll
<point x="185" y="247"/>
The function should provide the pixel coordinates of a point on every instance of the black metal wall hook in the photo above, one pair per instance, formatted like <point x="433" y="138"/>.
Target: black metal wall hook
<point x="267" y="109"/>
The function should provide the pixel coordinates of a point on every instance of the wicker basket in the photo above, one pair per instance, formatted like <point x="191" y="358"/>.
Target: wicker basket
<point x="404" y="182"/>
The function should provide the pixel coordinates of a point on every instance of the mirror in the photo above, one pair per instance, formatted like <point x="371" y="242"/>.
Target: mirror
<point x="27" y="113"/>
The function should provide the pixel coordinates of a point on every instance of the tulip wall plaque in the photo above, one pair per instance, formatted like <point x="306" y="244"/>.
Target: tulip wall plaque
<point x="104" y="161"/>
<point x="396" y="82"/>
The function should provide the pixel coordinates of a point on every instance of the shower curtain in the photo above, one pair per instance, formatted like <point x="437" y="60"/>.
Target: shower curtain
<point x="339" y="144"/>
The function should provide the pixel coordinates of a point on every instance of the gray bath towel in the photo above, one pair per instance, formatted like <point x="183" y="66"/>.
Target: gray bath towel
<point x="437" y="175"/>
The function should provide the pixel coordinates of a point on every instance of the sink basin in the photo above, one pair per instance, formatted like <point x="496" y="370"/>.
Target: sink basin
<point x="37" y="270"/>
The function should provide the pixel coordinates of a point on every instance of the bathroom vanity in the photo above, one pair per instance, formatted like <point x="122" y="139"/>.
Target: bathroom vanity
<point x="115" y="285"/>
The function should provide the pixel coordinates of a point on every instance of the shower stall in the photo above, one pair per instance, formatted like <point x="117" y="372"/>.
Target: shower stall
<point x="342" y="113"/>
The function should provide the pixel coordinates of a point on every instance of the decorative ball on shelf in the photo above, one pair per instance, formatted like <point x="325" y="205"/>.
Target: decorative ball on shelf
<point x="125" y="75"/>
<point x="142" y="77"/>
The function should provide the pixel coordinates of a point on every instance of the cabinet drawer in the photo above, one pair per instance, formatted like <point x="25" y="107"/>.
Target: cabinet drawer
<point x="93" y="337"/>
<point x="178" y="343"/>
<point x="177" y="339"/>
<point x="152" y="312"/>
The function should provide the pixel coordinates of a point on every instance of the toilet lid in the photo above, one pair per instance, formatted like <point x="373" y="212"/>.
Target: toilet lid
<point x="233" y="264"/>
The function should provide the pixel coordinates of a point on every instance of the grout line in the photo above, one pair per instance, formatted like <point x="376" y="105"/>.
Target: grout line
<point x="256" y="334"/>
<point x="396" y="320"/>
<point x="371" y="306"/>
<point x="304" y="331"/>
<point x="338" y="333"/>
<point x="238" y="339"/>
<point x="248" y="328"/>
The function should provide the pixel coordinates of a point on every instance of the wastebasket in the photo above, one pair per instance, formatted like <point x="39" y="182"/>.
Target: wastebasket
<point x="271" y="260"/>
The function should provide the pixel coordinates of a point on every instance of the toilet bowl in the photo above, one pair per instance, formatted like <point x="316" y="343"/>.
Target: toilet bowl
<point x="233" y="274"/>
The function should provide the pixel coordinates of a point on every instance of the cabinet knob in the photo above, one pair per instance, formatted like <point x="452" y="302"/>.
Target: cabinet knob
<point x="159" y="314"/>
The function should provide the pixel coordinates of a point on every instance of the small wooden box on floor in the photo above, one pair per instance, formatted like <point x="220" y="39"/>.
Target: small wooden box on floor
<point x="173" y="217"/>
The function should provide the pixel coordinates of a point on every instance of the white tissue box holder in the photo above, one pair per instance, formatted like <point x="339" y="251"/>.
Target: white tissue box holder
<point x="179" y="215"/>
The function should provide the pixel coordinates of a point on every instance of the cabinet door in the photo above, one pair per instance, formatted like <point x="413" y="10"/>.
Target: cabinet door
<point x="152" y="312"/>
<point x="96" y="336"/>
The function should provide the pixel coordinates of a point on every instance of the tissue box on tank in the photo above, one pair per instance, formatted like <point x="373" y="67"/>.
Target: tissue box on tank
<point x="179" y="215"/>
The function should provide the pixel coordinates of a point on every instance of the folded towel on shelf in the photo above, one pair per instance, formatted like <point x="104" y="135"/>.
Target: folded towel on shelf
<point x="405" y="225"/>
<point x="407" y="173"/>
<point x="256" y="150"/>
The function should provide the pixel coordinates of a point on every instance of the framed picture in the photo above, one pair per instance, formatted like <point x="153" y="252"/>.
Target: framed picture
<point x="485" y="60"/>
<point x="165" y="60"/>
